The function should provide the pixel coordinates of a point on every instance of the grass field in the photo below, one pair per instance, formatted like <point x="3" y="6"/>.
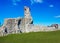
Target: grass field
<point x="33" y="37"/>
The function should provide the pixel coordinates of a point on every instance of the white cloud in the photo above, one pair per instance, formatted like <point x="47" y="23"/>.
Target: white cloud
<point x="57" y="16"/>
<point x="32" y="1"/>
<point x="15" y="2"/>
<point x="51" y="5"/>
<point x="36" y="1"/>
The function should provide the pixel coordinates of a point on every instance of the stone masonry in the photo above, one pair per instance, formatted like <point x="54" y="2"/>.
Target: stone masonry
<point x="23" y="25"/>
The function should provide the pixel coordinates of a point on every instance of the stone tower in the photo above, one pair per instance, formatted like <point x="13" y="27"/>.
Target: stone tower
<point x="27" y="17"/>
<point x="27" y="12"/>
<point x="26" y="21"/>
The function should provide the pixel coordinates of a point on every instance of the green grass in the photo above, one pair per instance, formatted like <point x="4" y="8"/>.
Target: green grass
<point x="33" y="37"/>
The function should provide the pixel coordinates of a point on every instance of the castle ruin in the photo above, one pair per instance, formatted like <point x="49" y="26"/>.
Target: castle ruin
<point x="22" y="25"/>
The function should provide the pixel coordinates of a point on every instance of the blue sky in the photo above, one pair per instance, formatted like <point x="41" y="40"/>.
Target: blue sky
<point x="44" y="12"/>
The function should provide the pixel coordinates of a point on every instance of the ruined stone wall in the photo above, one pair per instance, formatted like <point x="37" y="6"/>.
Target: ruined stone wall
<point x="12" y="25"/>
<point x="23" y="25"/>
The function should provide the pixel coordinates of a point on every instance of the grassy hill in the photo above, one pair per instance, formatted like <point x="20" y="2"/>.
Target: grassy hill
<point x="33" y="37"/>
